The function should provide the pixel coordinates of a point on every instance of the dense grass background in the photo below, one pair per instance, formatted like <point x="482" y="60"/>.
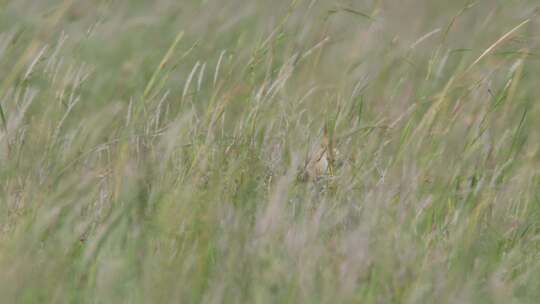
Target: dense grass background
<point x="150" y="151"/>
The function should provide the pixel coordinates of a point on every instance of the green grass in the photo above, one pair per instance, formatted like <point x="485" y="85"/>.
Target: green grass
<point x="150" y="151"/>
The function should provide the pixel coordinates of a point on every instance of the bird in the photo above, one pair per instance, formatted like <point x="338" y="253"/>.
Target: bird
<point x="321" y="162"/>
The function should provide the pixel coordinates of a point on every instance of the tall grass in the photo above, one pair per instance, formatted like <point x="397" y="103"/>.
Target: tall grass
<point x="152" y="151"/>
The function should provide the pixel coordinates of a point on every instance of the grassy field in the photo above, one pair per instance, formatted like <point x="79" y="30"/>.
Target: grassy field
<point x="156" y="151"/>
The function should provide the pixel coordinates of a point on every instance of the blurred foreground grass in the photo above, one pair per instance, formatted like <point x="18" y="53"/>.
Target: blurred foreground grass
<point x="150" y="151"/>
